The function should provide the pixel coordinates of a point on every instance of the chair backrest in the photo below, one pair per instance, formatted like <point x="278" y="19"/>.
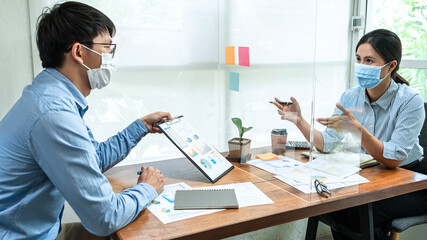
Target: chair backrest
<point x="423" y="134"/>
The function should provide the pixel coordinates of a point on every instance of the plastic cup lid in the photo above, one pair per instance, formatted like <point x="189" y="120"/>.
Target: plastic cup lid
<point x="279" y="131"/>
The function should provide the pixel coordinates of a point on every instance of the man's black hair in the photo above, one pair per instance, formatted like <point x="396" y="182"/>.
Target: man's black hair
<point x="65" y="24"/>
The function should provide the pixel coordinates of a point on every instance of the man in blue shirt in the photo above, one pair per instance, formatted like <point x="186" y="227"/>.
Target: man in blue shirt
<point x="47" y="152"/>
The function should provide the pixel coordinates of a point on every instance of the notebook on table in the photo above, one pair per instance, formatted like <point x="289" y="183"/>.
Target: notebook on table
<point x="205" y="199"/>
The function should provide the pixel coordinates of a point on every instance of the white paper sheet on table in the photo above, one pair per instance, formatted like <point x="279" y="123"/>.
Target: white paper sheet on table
<point x="299" y="175"/>
<point x="333" y="168"/>
<point x="306" y="188"/>
<point x="247" y="194"/>
<point x="293" y="169"/>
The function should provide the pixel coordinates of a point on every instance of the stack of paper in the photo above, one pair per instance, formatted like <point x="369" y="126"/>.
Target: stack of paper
<point x="357" y="159"/>
<point x="302" y="175"/>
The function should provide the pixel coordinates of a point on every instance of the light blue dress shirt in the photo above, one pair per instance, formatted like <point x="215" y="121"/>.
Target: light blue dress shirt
<point x="396" y="119"/>
<point x="49" y="155"/>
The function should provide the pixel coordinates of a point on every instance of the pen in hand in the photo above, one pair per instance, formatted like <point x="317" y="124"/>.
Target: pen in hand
<point x="284" y="103"/>
<point x="139" y="172"/>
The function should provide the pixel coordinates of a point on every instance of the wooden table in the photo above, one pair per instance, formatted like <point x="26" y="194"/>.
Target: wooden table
<point x="289" y="203"/>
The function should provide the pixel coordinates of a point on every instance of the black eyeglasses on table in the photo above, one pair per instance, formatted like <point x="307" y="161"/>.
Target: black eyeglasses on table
<point x="322" y="189"/>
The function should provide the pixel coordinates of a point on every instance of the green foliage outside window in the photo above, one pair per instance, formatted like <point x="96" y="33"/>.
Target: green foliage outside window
<point x="408" y="19"/>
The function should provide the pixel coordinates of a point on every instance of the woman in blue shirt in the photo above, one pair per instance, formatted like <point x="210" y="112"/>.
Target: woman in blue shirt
<point x="388" y="117"/>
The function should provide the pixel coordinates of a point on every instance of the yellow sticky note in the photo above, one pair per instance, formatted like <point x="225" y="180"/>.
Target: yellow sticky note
<point x="267" y="156"/>
<point x="229" y="55"/>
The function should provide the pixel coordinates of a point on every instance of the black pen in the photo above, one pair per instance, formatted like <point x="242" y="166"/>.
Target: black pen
<point x="139" y="172"/>
<point x="174" y="118"/>
<point x="283" y="103"/>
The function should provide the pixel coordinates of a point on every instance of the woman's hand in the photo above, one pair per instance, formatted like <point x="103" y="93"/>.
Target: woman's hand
<point x="345" y="122"/>
<point x="290" y="112"/>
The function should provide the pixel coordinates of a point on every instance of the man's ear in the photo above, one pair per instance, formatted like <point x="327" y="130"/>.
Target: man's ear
<point x="76" y="52"/>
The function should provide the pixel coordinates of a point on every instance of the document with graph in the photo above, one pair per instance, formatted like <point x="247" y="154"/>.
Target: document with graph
<point x="203" y="155"/>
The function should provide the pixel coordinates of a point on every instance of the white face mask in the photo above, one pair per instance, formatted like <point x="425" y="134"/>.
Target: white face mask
<point x="101" y="77"/>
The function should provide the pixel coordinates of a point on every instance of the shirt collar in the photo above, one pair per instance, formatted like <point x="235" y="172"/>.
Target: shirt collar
<point x="80" y="100"/>
<point x="385" y="100"/>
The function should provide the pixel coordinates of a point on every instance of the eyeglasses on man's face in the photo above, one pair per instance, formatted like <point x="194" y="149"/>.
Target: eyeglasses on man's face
<point x="110" y="47"/>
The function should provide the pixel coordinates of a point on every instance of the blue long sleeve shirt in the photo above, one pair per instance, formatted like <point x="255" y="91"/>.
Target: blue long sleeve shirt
<point x="396" y="119"/>
<point x="49" y="155"/>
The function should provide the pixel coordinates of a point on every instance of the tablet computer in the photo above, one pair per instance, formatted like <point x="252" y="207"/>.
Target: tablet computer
<point x="189" y="141"/>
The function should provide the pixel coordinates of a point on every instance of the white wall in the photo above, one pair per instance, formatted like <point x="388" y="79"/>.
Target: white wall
<point x="15" y="52"/>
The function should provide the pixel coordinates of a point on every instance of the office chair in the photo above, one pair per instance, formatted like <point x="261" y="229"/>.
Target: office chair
<point x="401" y="224"/>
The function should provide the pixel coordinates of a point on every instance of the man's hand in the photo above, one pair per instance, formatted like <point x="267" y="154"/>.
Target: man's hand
<point x="151" y="119"/>
<point x="153" y="177"/>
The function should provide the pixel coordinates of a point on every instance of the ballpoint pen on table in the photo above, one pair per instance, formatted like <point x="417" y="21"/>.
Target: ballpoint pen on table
<point x="322" y="189"/>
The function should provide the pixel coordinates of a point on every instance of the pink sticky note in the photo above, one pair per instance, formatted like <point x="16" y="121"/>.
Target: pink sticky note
<point x="244" y="56"/>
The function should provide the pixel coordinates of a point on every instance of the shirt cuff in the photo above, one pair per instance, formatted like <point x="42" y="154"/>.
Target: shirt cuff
<point x="139" y="128"/>
<point x="327" y="147"/>
<point x="391" y="151"/>
<point x="152" y="193"/>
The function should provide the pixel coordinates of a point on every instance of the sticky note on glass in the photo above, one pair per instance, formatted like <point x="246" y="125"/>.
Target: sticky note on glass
<point x="229" y="55"/>
<point x="233" y="82"/>
<point x="244" y="56"/>
<point x="267" y="156"/>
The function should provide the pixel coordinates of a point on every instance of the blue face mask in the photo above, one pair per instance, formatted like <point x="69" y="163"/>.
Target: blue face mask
<point x="368" y="76"/>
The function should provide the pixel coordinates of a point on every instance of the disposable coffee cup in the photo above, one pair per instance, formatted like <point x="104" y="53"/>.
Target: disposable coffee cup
<point x="278" y="141"/>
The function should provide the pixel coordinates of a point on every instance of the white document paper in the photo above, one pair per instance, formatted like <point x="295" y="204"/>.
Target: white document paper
<point x="355" y="159"/>
<point x="283" y="164"/>
<point x="162" y="207"/>
<point x="247" y="194"/>
<point x="306" y="188"/>
<point x="332" y="167"/>
<point x="292" y="169"/>
<point x="299" y="175"/>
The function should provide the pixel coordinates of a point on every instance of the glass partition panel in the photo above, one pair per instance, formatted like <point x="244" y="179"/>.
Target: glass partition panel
<point x="213" y="60"/>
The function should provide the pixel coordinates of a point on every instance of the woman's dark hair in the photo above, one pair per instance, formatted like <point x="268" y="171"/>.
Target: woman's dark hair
<point x="387" y="44"/>
<point x="65" y="24"/>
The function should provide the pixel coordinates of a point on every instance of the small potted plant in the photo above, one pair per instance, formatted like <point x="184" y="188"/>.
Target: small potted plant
<point x="239" y="147"/>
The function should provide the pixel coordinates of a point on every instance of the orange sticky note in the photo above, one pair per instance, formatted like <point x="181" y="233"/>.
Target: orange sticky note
<point x="267" y="156"/>
<point x="229" y="55"/>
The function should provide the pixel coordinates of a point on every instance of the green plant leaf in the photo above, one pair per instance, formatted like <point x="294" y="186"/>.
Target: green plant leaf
<point x="246" y="129"/>
<point x="238" y="123"/>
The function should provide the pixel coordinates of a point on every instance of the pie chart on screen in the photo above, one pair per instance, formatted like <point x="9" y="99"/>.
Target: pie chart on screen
<point x="205" y="163"/>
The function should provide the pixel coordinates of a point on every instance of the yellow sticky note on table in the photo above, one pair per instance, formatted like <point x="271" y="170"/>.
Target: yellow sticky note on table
<point x="267" y="156"/>
<point x="229" y="55"/>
